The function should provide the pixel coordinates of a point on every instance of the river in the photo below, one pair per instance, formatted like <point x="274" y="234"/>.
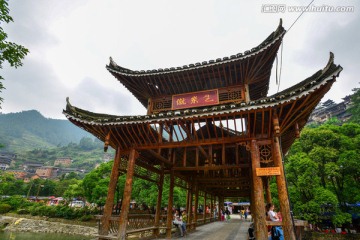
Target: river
<point x="40" y="236"/>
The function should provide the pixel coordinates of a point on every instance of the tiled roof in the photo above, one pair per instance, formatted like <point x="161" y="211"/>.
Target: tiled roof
<point x="299" y="90"/>
<point x="270" y="40"/>
<point x="253" y="67"/>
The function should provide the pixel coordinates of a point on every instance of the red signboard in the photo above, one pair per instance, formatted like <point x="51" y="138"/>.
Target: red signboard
<point x="195" y="99"/>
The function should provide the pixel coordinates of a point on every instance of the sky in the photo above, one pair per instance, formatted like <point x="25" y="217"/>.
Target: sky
<point x="70" y="43"/>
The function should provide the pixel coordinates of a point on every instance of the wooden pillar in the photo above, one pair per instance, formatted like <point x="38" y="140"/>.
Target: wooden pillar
<point x="258" y="195"/>
<point x="105" y="219"/>
<point x="158" y="203"/>
<point x="127" y="195"/>
<point x="190" y="211"/>
<point x="211" y="207"/>
<point x="196" y="205"/>
<point x="188" y="198"/>
<point x="288" y="227"/>
<point x="169" y="217"/>
<point x="221" y="206"/>
<point x="267" y="189"/>
<point x="204" y="210"/>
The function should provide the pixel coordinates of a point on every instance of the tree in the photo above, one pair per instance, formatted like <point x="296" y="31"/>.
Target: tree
<point x="323" y="172"/>
<point x="74" y="191"/>
<point x="354" y="108"/>
<point x="9" y="52"/>
<point x="96" y="183"/>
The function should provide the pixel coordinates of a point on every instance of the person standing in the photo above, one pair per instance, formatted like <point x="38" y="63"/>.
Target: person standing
<point x="241" y="212"/>
<point x="178" y="222"/>
<point x="246" y="213"/>
<point x="184" y="220"/>
<point x="227" y="214"/>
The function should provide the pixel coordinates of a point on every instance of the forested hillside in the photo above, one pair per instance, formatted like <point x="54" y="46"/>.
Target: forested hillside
<point x="29" y="130"/>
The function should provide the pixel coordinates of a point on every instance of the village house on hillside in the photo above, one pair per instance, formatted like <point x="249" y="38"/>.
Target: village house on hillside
<point x="6" y="159"/>
<point x="64" y="161"/>
<point x="18" y="174"/>
<point x="30" y="167"/>
<point x="46" y="172"/>
<point x="329" y="109"/>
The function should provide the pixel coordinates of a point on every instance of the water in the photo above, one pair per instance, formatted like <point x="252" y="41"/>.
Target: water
<point x="40" y="236"/>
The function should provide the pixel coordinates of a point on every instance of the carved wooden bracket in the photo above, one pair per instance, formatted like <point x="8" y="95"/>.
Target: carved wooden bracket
<point x="276" y="124"/>
<point x="107" y="141"/>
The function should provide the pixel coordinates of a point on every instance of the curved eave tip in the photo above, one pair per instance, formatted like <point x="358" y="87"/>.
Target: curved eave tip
<point x="280" y="28"/>
<point x="112" y="63"/>
<point x="69" y="107"/>
<point x="68" y="101"/>
<point x="329" y="63"/>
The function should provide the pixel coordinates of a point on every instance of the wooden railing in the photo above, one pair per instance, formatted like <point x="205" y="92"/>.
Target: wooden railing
<point x="299" y="226"/>
<point x="142" y="224"/>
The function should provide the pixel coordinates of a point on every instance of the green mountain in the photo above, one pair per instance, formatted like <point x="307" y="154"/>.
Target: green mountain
<point x="34" y="138"/>
<point x="29" y="130"/>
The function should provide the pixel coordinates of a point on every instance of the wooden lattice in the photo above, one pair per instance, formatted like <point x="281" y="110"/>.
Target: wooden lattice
<point x="265" y="153"/>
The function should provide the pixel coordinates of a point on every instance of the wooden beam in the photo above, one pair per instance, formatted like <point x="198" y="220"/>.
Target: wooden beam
<point x="159" y="157"/>
<point x="203" y="152"/>
<point x="212" y="179"/>
<point x="211" y="168"/>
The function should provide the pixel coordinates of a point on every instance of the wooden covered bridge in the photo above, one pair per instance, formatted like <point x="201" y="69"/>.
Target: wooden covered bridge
<point x="212" y="128"/>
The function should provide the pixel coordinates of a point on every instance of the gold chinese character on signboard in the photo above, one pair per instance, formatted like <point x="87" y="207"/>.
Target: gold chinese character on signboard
<point x="180" y="101"/>
<point x="208" y="98"/>
<point x="194" y="100"/>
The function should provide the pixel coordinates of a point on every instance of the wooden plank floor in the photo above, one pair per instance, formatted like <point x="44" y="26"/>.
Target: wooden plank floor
<point x="235" y="229"/>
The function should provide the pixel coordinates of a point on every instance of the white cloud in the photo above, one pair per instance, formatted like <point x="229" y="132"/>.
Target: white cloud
<point x="71" y="42"/>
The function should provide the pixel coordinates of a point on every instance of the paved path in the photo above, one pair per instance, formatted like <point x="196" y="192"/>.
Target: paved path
<point x="235" y="229"/>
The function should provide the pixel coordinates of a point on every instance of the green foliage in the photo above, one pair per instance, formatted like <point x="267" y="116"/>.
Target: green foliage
<point x="354" y="108"/>
<point x="9" y="52"/>
<point x="4" y="208"/>
<point x="323" y="171"/>
<point x="61" y="211"/>
<point x="96" y="183"/>
<point x="86" y="218"/>
<point x="341" y="218"/>
<point x="23" y="211"/>
<point x="74" y="191"/>
<point x="16" y="202"/>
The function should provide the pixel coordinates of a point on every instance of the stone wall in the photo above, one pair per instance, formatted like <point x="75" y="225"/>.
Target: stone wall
<point x="12" y="224"/>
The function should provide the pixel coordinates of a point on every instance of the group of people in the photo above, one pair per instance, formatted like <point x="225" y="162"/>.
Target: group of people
<point x="244" y="213"/>
<point x="180" y="221"/>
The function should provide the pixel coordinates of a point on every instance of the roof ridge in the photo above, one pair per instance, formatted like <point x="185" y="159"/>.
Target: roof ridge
<point x="270" y="40"/>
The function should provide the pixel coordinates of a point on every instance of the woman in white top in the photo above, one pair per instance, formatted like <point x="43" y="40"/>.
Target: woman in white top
<point x="178" y="222"/>
<point x="274" y="217"/>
